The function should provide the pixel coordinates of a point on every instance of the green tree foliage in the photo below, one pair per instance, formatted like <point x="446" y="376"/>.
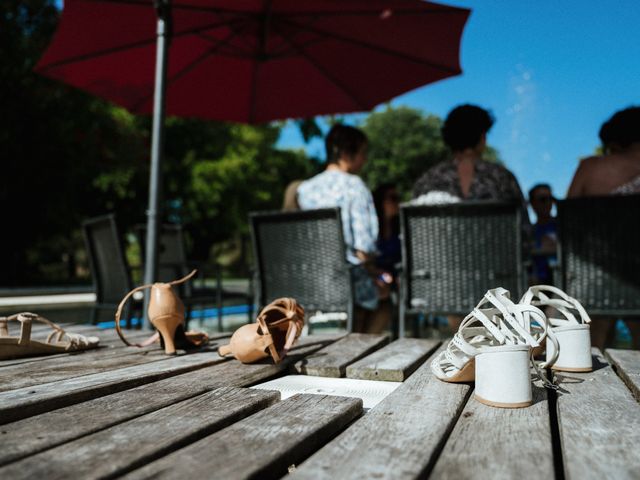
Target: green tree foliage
<point x="403" y="143"/>
<point x="55" y="142"/>
<point x="67" y="156"/>
<point x="218" y="189"/>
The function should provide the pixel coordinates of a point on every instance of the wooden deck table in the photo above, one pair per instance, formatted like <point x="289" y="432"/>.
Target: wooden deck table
<point x="125" y="412"/>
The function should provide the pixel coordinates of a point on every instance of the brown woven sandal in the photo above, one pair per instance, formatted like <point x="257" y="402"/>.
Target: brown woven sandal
<point x="166" y="314"/>
<point x="277" y="327"/>
<point x="58" y="341"/>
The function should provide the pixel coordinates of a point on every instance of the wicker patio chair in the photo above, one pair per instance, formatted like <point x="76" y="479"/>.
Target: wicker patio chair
<point x="302" y="255"/>
<point x="173" y="263"/>
<point x="600" y="253"/>
<point x="109" y="268"/>
<point x="452" y="254"/>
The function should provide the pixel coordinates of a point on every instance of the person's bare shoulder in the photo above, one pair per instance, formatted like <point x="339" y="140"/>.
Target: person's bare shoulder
<point x="585" y="172"/>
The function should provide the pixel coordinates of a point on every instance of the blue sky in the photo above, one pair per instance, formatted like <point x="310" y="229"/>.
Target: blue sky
<point x="551" y="72"/>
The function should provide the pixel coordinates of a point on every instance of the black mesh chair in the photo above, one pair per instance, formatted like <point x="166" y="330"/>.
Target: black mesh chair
<point x="302" y="255"/>
<point x="173" y="264"/>
<point x="600" y="253"/>
<point x="452" y="254"/>
<point x="109" y="267"/>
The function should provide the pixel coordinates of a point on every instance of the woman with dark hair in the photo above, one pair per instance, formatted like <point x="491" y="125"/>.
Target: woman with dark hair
<point x="340" y="186"/>
<point x="617" y="172"/>
<point x="466" y="176"/>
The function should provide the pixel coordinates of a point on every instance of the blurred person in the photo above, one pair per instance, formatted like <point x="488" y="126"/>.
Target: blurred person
<point x="340" y="186"/>
<point x="616" y="172"/>
<point x="387" y="203"/>
<point x="290" y="198"/>
<point x="466" y="176"/>
<point x="545" y="232"/>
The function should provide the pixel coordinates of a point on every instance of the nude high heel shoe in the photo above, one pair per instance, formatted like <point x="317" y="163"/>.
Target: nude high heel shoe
<point x="166" y="314"/>
<point x="277" y="327"/>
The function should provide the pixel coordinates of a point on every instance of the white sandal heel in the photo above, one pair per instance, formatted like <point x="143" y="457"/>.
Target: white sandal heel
<point x="503" y="374"/>
<point x="574" y="349"/>
<point x="569" y="340"/>
<point x="493" y="346"/>
<point x="503" y="377"/>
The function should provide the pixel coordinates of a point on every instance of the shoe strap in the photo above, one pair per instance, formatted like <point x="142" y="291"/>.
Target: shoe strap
<point x="516" y="318"/>
<point x="265" y="340"/>
<point x="292" y="315"/>
<point x="26" y="320"/>
<point x="123" y="302"/>
<point x="121" y="306"/>
<point x="546" y="383"/>
<point x="542" y="295"/>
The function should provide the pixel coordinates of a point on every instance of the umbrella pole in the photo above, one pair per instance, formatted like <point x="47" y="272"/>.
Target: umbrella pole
<point x="163" y="10"/>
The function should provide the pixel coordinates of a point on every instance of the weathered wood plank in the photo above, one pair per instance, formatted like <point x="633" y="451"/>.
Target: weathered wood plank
<point x="87" y="363"/>
<point x="401" y="437"/>
<point x="395" y="362"/>
<point x="599" y="423"/>
<point x="109" y="343"/>
<point x="29" y="401"/>
<point x="626" y="363"/>
<point x="333" y="360"/>
<point x="26" y="402"/>
<point x="82" y="363"/>
<point x="499" y="443"/>
<point x="134" y="443"/>
<point x="263" y="445"/>
<point x="27" y="437"/>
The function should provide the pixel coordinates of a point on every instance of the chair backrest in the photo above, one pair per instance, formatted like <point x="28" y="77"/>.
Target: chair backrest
<point x="109" y="268"/>
<point x="452" y="254"/>
<point x="302" y="255"/>
<point x="172" y="257"/>
<point x="600" y="253"/>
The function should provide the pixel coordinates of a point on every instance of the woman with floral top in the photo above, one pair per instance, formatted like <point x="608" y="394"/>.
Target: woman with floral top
<point x="340" y="186"/>
<point x="466" y="176"/>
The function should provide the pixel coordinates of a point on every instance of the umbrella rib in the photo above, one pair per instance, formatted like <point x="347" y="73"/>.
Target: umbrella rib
<point x="187" y="68"/>
<point x="377" y="48"/>
<point x="108" y="51"/>
<point x="252" y="101"/>
<point x="341" y="86"/>
<point x="423" y="9"/>
<point x="375" y="12"/>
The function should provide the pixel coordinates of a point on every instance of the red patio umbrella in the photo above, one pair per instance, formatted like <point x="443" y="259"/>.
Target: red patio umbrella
<point x="250" y="61"/>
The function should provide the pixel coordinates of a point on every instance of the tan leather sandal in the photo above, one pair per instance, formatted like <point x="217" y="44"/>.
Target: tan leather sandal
<point x="58" y="341"/>
<point x="166" y="314"/>
<point x="277" y="327"/>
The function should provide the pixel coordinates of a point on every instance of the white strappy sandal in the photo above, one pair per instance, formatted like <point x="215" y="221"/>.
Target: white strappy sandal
<point x="568" y="341"/>
<point x="493" y="347"/>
